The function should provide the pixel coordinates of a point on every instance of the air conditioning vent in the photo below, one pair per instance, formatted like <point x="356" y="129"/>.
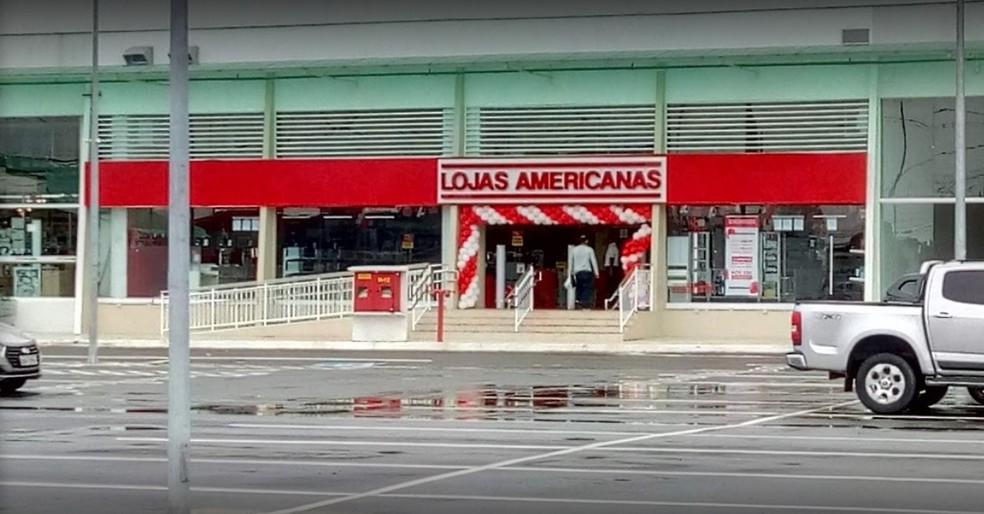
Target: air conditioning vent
<point x="856" y="36"/>
<point x="495" y="131"/>
<point x="212" y="136"/>
<point x="761" y="127"/>
<point x="410" y="132"/>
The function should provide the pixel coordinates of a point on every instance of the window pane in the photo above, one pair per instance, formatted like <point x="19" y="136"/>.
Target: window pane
<point x="914" y="233"/>
<point x="39" y="160"/>
<point x="38" y="232"/>
<point x="964" y="287"/>
<point x="327" y="240"/>
<point x="37" y="280"/>
<point x="750" y="253"/>
<point x="918" y="147"/>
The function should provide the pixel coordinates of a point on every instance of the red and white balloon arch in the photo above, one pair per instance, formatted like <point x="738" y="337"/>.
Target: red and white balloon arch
<point x="472" y="217"/>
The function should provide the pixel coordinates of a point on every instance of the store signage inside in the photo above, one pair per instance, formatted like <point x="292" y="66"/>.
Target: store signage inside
<point x="545" y="180"/>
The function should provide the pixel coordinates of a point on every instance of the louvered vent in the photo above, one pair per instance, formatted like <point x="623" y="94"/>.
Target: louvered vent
<point x="560" y="130"/>
<point x="212" y="136"/>
<point x="428" y="132"/>
<point x="758" y="127"/>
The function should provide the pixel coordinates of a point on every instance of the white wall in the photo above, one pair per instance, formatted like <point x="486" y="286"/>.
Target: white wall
<point x="44" y="315"/>
<point x="54" y="33"/>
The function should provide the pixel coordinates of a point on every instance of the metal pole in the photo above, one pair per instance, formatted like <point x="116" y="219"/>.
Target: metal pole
<point x="92" y="282"/>
<point x="960" y="152"/>
<point x="500" y="276"/>
<point x="179" y="263"/>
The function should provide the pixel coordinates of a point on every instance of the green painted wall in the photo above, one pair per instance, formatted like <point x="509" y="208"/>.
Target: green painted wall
<point x="615" y="87"/>
<point x="42" y="100"/>
<point x="767" y="84"/>
<point x="391" y="92"/>
<point x="927" y="79"/>
<point x="203" y="97"/>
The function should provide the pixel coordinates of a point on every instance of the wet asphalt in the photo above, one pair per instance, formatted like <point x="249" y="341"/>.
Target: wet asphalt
<point x="319" y="432"/>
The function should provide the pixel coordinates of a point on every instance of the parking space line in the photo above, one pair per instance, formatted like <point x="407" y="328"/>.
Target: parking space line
<point x="518" y="469"/>
<point x="558" y="453"/>
<point x="728" y="451"/>
<point x="853" y="439"/>
<point x="321" y="442"/>
<point x="392" y="428"/>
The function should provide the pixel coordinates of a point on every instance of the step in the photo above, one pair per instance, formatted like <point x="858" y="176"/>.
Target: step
<point x="512" y="337"/>
<point x="539" y="314"/>
<point x="555" y="324"/>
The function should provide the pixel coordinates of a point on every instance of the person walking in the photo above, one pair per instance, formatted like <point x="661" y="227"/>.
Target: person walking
<point x="584" y="268"/>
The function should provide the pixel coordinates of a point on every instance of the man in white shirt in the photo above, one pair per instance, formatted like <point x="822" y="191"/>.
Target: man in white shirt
<point x="584" y="268"/>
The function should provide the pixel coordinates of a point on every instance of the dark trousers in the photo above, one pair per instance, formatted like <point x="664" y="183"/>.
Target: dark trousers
<point x="583" y="288"/>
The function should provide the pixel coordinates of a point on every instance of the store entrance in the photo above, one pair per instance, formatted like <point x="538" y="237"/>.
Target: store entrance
<point x="545" y="248"/>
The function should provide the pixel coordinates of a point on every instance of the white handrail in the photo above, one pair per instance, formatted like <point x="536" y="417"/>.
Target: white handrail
<point x="313" y="297"/>
<point x="423" y="293"/>
<point x="633" y="295"/>
<point x="523" y="295"/>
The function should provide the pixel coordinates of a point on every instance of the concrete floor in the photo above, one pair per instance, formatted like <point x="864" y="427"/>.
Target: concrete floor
<point x="479" y="433"/>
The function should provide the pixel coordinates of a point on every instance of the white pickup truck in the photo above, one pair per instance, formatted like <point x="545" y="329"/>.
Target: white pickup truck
<point x="900" y="356"/>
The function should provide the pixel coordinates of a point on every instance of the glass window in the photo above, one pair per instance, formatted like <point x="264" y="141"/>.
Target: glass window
<point x="32" y="280"/>
<point x="964" y="287"/>
<point x="224" y="248"/>
<point x="27" y="232"/>
<point x="39" y="160"/>
<point x="314" y="240"/>
<point x="754" y="253"/>
<point x="918" y="141"/>
<point x="914" y="233"/>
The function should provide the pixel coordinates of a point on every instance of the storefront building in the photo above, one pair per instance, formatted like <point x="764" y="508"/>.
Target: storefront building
<point x="778" y="179"/>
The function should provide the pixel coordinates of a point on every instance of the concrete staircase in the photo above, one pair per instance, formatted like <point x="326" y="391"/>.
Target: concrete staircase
<point x="491" y="325"/>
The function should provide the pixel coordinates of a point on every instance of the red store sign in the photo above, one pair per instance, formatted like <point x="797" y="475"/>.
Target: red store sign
<point x="592" y="180"/>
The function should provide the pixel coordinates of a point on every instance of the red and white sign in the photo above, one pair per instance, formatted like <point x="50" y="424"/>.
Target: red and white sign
<point x="542" y="181"/>
<point x="741" y="243"/>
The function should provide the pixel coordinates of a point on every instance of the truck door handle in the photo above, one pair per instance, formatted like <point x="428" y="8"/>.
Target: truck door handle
<point x="943" y="315"/>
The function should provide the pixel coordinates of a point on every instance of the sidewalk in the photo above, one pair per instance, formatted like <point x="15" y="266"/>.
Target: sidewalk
<point x="627" y="347"/>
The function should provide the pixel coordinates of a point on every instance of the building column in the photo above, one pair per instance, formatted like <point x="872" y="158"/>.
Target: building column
<point x="872" y="210"/>
<point x="118" y="251"/>
<point x="266" y="259"/>
<point x="657" y="251"/>
<point x="449" y="244"/>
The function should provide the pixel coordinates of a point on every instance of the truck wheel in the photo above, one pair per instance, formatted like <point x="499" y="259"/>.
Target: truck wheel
<point x="931" y="396"/>
<point x="977" y="393"/>
<point x="886" y="383"/>
<point x="9" y="386"/>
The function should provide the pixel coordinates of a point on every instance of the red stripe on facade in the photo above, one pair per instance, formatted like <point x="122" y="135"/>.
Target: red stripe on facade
<point x="276" y="183"/>
<point x="766" y="178"/>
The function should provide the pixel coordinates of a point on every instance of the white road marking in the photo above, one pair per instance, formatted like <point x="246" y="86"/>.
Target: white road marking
<point x="606" y="446"/>
<point x="386" y="428"/>
<point x="319" y="442"/>
<point x="558" y="453"/>
<point x="573" y="501"/>
<point x="235" y="358"/>
<point x="853" y="439"/>
<point x="520" y="469"/>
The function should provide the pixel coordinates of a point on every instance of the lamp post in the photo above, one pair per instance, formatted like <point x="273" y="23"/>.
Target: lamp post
<point x="960" y="152"/>
<point x="92" y="284"/>
<point x="179" y="257"/>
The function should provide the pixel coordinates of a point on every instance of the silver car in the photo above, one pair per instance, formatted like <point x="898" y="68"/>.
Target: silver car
<point x="20" y="359"/>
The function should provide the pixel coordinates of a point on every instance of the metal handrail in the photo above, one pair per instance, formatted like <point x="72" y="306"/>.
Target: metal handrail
<point x="633" y="294"/>
<point x="233" y="306"/>
<point x="524" y="296"/>
<point x="422" y="295"/>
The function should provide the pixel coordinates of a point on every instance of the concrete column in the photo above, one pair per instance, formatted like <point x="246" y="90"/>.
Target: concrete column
<point x="872" y="211"/>
<point x="119" y="249"/>
<point x="657" y="250"/>
<point x="266" y="261"/>
<point x="449" y="244"/>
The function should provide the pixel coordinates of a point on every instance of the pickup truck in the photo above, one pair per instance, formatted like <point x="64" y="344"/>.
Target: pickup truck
<point x="900" y="355"/>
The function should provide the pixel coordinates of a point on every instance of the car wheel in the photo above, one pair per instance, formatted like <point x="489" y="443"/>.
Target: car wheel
<point x="977" y="393"/>
<point x="9" y="386"/>
<point x="931" y="396"/>
<point x="886" y="383"/>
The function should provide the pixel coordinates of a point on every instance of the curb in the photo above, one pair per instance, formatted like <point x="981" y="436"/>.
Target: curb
<point x="634" y="347"/>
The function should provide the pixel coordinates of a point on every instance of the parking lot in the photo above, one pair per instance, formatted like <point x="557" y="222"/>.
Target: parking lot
<point x="451" y="433"/>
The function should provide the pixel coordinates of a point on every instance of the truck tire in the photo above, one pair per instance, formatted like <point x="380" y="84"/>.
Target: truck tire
<point x="977" y="393"/>
<point x="886" y="384"/>
<point x="12" y="385"/>
<point x="931" y="396"/>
